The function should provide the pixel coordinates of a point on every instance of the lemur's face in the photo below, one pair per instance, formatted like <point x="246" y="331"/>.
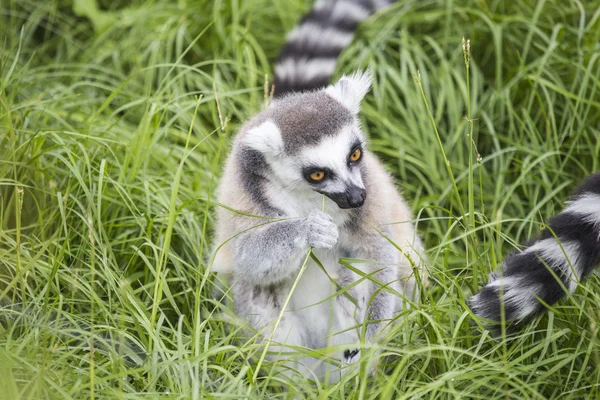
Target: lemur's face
<point x="312" y="142"/>
<point x="332" y="168"/>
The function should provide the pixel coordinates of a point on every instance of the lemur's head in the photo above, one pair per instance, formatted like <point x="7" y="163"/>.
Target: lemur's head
<point x="313" y="140"/>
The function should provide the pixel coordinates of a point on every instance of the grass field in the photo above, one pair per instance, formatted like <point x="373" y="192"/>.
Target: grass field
<point x="115" y="118"/>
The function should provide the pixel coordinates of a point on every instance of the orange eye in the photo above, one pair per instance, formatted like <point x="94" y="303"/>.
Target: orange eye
<point x="355" y="156"/>
<point x="317" y="176"/>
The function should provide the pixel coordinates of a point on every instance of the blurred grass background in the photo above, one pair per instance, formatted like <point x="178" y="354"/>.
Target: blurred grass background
<point x="111" y="144"/>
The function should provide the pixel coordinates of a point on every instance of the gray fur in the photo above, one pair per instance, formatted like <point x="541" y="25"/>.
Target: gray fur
<point x="305" y="118"/>
<point x="284" y="242"/>
<point x="252" y="167"/>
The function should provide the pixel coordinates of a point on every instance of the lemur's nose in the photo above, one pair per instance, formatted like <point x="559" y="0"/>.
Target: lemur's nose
<point x="356" y="196"/>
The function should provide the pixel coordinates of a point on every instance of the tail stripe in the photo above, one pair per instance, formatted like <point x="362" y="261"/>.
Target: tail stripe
<point x="310" y="35"/>
<point x="316" y="70"/>
<point x="351" y="11"/>
<point x="564" y="258"/>
<point x="587" y="207"/>
<point x="577" y="228"/>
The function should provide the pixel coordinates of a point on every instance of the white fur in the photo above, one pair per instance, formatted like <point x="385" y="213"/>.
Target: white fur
<point x="350" y="90"/>
<point x="306" y="68"/>
<point x="503" y="282"/>
<point x="265" y="138"/>
<point x="313" y="288"/>
<point x="317" y="36"/>
<point x="295" y="199"/>
<point x="515" y="293"/>
<point x="319" y="4"/>
<point x="554" y="255"/>
<point x="379" y="4"/>
<point x="291" y="194"/>
<point x="351" y="10"/>
<point x="588" y="206"/>
<point x="525" y="300"/>
<point x="223" y="261"/>
<point x="300" y="203"/>
<point x="314" y="314"/>
<point x="332" y="152"/>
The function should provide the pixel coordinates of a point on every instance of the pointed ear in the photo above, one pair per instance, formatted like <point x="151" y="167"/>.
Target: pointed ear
<point x="265" y="138"/>
<point x="350" y="90"/>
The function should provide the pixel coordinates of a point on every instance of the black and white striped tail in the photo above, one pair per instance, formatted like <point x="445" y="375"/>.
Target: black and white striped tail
<point x="309" y="56"/>
<point x="548" y="269"/>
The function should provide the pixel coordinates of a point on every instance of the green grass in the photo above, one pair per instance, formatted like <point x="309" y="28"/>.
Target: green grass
<point x="114" y="122"/>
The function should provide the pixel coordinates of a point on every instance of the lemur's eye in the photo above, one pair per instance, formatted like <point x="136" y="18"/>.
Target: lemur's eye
<point x="317" y="176"/>
<point x="355" y="156"/>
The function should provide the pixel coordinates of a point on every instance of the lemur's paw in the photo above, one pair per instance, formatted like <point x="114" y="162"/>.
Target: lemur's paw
<point x="351" y="356"/>
<point x="322" y="232"/>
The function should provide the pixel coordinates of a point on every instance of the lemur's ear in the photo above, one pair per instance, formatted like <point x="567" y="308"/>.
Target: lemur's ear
<point x="350" y="90"/>
<point x="265" y="138"/>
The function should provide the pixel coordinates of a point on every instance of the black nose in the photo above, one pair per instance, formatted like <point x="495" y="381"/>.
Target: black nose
<point x="356" y="196"/>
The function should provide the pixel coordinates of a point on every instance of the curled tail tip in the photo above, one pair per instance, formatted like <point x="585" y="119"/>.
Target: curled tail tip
<point x="552" y="266"/>
<point x="509" y="299"/>
<point x="527" y="281"/>
<point x="541" y="275"/>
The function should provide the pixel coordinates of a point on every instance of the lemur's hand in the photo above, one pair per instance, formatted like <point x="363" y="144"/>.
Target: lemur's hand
<point x="322" y="233"/>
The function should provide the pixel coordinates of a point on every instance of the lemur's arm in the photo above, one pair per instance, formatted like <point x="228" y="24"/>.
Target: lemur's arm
<point x="381" y="307"/>
<point x="270" y="253"/>
<point x="381" y="300"/>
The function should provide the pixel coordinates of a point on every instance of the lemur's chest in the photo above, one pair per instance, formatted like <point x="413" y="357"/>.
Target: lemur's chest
<point x="315" y="289"/>
<point x="318" y="277"/>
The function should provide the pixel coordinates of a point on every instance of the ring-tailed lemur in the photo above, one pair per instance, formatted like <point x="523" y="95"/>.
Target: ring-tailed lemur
<point x="303" y="164"/>
<point x="551" y="266"/>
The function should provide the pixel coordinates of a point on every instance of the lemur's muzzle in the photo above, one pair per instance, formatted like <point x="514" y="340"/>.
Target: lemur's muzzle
<point x="353" y="197"/>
